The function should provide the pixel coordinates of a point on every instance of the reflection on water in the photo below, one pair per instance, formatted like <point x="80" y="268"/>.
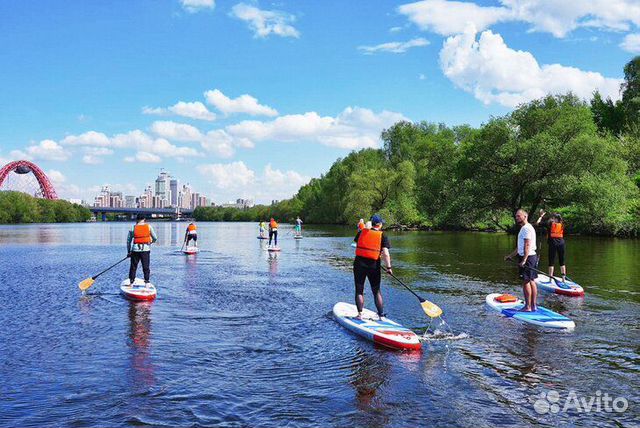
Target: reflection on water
<point x="240" y="336"/>
<point x="140" y="344"/>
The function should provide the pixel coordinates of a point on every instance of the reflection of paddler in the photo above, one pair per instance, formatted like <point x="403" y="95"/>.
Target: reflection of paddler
<point x="140" y="343"/>
<point x="368" y="374"/>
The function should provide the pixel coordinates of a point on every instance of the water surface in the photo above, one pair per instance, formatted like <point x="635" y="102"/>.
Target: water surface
<point x="241" y="337"/>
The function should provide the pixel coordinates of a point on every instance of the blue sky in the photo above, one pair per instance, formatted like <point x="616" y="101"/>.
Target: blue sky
<point x="252" y="99"/>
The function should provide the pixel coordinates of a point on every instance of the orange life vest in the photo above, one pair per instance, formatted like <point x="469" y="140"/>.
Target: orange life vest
<point x="557" y="230"/>
<point x="369" y="244"/>
<point x="361" y="226"/>
<point x="191" y="228"/>
<point x="142" y="234"/>
<point x="506" y="298"/>
<point x="273" y="224"/>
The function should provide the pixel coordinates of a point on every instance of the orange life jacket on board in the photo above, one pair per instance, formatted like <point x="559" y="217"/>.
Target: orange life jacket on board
<point x="557" y="230"/>
<point x="142" y="234"/>
<point x="369" y="244"/>
<point x="273" y="224"/>
<point x="191" y="228"/>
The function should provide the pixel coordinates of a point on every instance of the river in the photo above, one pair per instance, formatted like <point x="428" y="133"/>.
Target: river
<point x="242" y="337"/>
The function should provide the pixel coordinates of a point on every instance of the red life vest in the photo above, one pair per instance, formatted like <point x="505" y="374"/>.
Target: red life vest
<point x="142" y="234"/>
<point x="557" y="230"/>
<point x="369" y="244"/>
<point x="191" y="228"/>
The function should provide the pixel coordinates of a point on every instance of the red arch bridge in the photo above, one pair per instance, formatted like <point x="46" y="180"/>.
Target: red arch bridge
<point x="21" y="167"/>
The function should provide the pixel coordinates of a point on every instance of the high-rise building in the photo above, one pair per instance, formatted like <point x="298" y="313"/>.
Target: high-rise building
<point x="130" y="201"/>
<point x="195" y="197"/>
<point x="173" y="187"/>
<point x="163" y="186"/>
<point x="185" y="197"/>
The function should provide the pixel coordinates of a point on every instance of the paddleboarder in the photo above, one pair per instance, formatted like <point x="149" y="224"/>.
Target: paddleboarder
<point x="361" y="224"/>
<point x="139" y="241"/>
<point x="273" y="232"/>
<point x="527" y="260"/>
<point x="262" y="228"/>
<point x="371" y="246"/>
<point x="298" y="227"/>
<point x="191" y="233"/>
<point x="555" y="241"/>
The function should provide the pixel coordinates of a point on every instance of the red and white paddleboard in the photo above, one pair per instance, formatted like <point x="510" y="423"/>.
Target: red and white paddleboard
<point x="138" y="291"/>
<point x="273" y="249"/>
<point x="557" y="286"/>
<point x="191" y="250"/>
<point x="384" y="332"/>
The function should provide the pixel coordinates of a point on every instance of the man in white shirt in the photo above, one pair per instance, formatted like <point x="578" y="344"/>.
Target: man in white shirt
<point x="527" y="260"/>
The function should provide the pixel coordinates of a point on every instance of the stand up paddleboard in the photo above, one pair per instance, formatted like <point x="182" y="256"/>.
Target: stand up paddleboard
<point x="509" y="306"/>
<point x="138" y="291"/>
<point x="385" y="332"/>
<point x="191" y="250"/>
<point x="262" y="237"/>
<point x="567" y="288"/>
<point x="297" y="237"/>
<point x="273" y="249"/>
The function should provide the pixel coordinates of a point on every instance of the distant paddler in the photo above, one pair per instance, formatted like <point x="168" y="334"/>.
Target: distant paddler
<point x="361" y="224"/>
<point x="298" y="227"/>
<point x="527" y="260"/>
<point x="555" y="240"/>
<point x="139" y="241"/>
<point x="191" y="234"/>
<point x="273" y="232"/>
<point x="371" y="246"/>
<point x="262" y="228"/>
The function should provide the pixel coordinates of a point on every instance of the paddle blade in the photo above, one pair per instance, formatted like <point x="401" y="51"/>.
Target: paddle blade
<point x="431" y="309"/>
<point x="86" y="283"/>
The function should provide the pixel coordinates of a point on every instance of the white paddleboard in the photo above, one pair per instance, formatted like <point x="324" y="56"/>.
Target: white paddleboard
<point x="384" y="332"/>
<point x="273" y="249"/>
<point x="567" y="288"/>
<point x="139" y="290"/>
<point x="542" y="317"/>
<point x="297" y="237"/>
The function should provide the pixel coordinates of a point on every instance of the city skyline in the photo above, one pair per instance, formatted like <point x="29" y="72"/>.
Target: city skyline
<point x="253" y="100"/>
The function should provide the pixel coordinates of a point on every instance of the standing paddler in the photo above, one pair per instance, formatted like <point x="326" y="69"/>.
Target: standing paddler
<point x="273" y="232"/>
<point x="191" y="233"/>
<point x="298" y="227"/>
<point x="139" y="241"/>
<point x="527" y="260"/>
<point x="371" y="245"/>
<point x="262" y="229"/>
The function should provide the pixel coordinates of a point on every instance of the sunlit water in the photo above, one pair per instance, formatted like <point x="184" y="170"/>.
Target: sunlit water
<point x="241" y="337"/>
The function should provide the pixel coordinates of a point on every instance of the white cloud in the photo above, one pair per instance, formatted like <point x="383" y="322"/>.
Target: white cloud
<point x="91" y="138"/>
<point x="265" y="22"/>
<point x="228" y="176"/>
<point x="243" y="104"/>
<point x="421" y="76"/>
<point x="352" y="129"/>
<point x="176" y="131"/>
<point x="192" y="110"/>
<point x="56" y="176"/>
<point x="219" y="143"/>
<point x="394" y="47"/>
<point x="233" y="180"/>
<point x="631" y="43"/>
<point x="451" y="17"/>
<point x="493" y="72"/>
<point x="193" y="6"/>
<point x="395" y="29"/>
<point x="158" y="146"/>
<point x="93" y="155"/>
<point x="552" y="16"/>
<point x="45" y="150"/>
<point x="144" y="157"/>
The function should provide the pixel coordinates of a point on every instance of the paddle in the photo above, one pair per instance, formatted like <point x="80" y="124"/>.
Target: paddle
<point x="558" y="283"/>
<point x="431" y="309"/>
<point x="89" y="281"/>
<point x="183" y="242"/>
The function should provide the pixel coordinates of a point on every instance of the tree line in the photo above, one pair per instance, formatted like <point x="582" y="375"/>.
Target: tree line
<point x="18" y="207"/>
<point x="558" y="152"/>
